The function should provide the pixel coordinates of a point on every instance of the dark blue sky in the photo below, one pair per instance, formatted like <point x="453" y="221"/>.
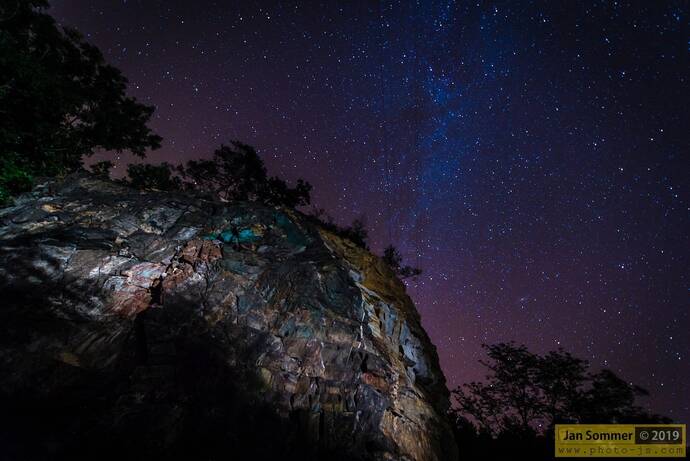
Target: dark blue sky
<point x="531" y="157"/>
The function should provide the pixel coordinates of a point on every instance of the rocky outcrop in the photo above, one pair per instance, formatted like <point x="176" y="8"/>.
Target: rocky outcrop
<point x="169" y="326"/>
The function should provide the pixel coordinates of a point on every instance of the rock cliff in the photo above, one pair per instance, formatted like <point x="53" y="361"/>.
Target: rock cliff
<point x="169" y="326"/>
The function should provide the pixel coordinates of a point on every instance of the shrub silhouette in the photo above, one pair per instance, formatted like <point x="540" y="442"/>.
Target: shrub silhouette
<point x="356" y="232"/>
<point x="236" y="172"/>
<point x="393" y="258"/>
<point x="102" y="169"/>
<point x="158" y="177"/>
<point x="525" y="394"/>
<point x="60" y="100"/>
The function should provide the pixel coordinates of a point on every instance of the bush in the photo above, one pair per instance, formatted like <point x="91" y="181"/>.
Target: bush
<point x="236" y="172"/>
<point x="59" y="99"/>
<point x="392" y="257"/>
<point x="102" y="169"/>
<point x="355" y="232"/>
<point x="15" y="178"/>
<point x="158" y="177"/>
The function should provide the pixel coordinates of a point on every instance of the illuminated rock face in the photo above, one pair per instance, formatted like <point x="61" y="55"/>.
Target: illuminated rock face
<point x="160" y="324"/>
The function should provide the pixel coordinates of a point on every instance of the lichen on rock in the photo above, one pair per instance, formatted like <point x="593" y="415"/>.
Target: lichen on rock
<point x="172" y="325"/>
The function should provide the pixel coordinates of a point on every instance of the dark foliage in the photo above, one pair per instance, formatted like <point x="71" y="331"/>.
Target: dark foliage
<point x="236" y="172"/>
<point x="14" y="177"/>
<point x="526" y="394"/>
<point x="610" y="398"/>
<point x="157" y="177"/>
<point x="277" y="192"/>
<point x="356" y="232"/>
<point x="392" y="257"/>
<point x="102" y="169"/>
<point x="59" y="99"/>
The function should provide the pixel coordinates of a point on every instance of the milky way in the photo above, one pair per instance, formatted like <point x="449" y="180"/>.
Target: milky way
<point x="531" y="158"/>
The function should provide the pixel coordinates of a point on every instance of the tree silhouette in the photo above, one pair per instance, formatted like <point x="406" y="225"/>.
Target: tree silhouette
<point x="148" y="176"/>
<point x="59" y="99"/>
<point x="609" y="398"/>
<point x="525" y="394"/>
<point x="560" y="377"/>
<point x="276" y="192"/>
<point x="236" y="172"/>
<point x="393" y="258"/>
<point x="102" y="169"/>
<point x="356" y="232"/>
<point x="14" y="177"/>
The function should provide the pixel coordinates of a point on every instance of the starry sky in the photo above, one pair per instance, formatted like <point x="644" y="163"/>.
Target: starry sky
<point x="530" y="157"/>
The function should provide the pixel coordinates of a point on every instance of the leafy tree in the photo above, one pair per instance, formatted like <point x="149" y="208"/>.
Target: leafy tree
<point x="609" y="398"/>
<point x="102" y="169"/>
<point x="158" y="177"/>
<point x="527" y="390"/>
<point x="560" y="377"/>
<point x="510" y="398"/>
<point x="276" y="192"/>
<point x="59" y="99"/>
<point x="13" y="177"/>
<point x="525" y="394"/>
<point x="356" y="232"/>
<point x="393" y="258"/>
<point x="321" y="216"/>
<point x="236" y="172"/>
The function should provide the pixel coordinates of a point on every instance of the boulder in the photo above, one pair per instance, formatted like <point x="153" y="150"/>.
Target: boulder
<point x="151" y="325"/>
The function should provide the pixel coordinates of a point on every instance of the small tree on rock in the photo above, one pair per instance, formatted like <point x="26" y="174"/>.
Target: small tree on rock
<point x="236" y="172"/>
<point x="158" y="177"/>
<point x="102" y="169"/>
<point x="393" y="258"/>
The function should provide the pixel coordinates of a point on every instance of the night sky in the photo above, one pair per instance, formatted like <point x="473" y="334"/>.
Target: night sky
<point x="531" y="158"/>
